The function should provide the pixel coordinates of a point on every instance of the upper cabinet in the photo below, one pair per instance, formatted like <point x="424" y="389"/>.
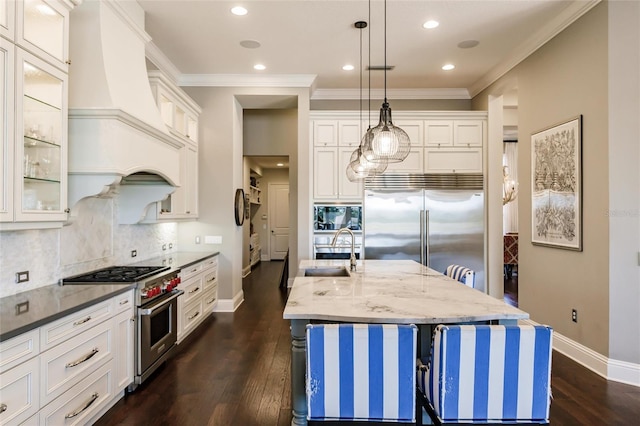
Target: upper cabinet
<point x="334" y="141"/>
<point x="42" y="28"/>
<point x="441" y="142"/>
<point x="34" y="109"/>
<point x="180" y="113"/>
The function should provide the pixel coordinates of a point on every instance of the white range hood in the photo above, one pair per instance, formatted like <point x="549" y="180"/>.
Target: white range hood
<point x="115" y="128"/>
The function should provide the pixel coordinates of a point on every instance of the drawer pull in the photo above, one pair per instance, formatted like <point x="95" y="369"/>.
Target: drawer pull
<point x="194" y="270"/>
<point x="211" y="301"/>
<point x="194" y="290"/>
<point x="124" y="302"/>
<point x="83" y="359"/>
<point x="87" y="404"/>
<point x="3" y="408"/>
<point x="82" y="321"/>
<point x="211" y="279"/>
<point x="193" y="316"/>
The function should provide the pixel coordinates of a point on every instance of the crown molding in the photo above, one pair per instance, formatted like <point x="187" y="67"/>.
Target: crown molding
<point x="574" y="11"/>
<point x="354" y="94"/>
<point x="160" y="60"/>
<point x="247" y="80"/>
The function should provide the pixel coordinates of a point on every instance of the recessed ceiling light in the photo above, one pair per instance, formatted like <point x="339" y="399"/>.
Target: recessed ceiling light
<point x="431" y="24"/>
<point x="468" y="44"/>
<point x="448" y="67"/>
<point x="259" y="67"/>
<point x="250" y="44"/>
<point x="279" y="164"/>
<point x="348" y="68"/>
<point x="239" y="10"/>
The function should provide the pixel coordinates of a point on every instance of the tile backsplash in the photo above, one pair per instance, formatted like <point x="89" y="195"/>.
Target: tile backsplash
<point x="91" y="240"/>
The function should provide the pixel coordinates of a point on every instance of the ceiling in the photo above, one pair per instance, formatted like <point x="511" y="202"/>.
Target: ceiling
<point x="306" y="43"/>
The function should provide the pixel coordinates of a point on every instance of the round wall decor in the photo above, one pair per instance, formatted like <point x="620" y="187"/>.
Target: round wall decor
<point x="239" y="207"/>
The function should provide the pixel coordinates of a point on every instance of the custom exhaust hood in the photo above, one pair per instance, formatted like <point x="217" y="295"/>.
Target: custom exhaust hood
<point x="115" y="128"/>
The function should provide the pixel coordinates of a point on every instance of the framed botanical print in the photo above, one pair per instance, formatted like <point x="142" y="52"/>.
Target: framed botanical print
<point x="556" y="204"/>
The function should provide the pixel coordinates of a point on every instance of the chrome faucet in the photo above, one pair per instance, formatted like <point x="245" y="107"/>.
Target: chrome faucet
<point x="352" y="259"/>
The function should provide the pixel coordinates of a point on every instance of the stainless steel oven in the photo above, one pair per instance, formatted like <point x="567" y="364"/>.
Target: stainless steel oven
<point x="157" y="333"/>
<point x="156" y="299"/>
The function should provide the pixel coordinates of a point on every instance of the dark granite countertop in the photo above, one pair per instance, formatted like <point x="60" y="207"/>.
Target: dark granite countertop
<point x="25" y="311"/>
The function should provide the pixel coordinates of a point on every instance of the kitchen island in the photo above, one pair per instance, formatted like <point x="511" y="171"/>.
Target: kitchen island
<point x="379" y="291"/>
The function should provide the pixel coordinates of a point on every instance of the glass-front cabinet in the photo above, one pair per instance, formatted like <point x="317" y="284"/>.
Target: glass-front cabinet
<point x="41" y="123"/>
<point x="42" y="28"/>
<point x="6" y="126"/>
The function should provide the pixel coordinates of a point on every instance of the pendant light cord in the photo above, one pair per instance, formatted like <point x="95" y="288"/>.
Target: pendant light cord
<point x="369" y="57"/>
<point x="385" y="51"/>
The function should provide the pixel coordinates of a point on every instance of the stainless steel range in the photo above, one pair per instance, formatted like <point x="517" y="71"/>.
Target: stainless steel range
<point x="156" y="297"/>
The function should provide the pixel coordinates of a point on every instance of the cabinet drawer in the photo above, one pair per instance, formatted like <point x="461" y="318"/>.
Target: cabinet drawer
<point x="19" y="349"/>
<point x="19" y="392"/>
<point x="65" y="365"/>
<point x="192" y="289"/>
<point x="74" y="324"/>
<point x="211" y="262"/>
<point x="189" y="271"/>
<point x="209" y="300"/>
<point x="124" y="302"/>
<point x="211" y="279"/>
<point x="411" y="164"/>
<point x="192" y="314"/>
<point x="79" y="404"/>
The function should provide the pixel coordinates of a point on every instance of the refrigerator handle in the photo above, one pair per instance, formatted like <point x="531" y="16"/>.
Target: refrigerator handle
<point x="426" y="237"/>
<point x="422" y="234"/>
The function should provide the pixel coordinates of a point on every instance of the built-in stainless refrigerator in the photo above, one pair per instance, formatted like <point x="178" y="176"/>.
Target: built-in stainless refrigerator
<point x="437" y="220"/>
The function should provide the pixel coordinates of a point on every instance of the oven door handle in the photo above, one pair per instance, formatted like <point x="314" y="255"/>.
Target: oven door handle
<point x="149" y="311"/>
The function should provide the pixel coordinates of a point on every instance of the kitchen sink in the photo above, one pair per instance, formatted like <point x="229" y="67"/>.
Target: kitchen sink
<point x="331" y="271"/>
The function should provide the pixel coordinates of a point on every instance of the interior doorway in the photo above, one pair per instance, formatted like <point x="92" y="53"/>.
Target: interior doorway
<point x="279" y="220"/>
<point x="510" y="196"/>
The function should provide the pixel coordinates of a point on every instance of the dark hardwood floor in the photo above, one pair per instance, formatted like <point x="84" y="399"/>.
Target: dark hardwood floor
<point x="511" y="290"/>
<point x="235" y="370"/>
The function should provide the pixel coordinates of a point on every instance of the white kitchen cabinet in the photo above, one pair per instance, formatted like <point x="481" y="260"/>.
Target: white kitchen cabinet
<point x="438" y="133"/>
<point x="180" y="113"/>
<point x="468" y="133"/>
<point x="452" y="160"/>
<point x="7" y="18"/>
<point x="70" y="370"/>
<point x="414" y="163"/>
<point x="346" y="188"/>
<point x="19" y="397"/>
<point x="325" y="173"/>
<point x="200" y="285"/>
<point x="42" y="28"/>
<point x="325" y="133"/>
<point x="414" y="129"/>
<point x="349" y="134"/>
<point x="34" y="113"/>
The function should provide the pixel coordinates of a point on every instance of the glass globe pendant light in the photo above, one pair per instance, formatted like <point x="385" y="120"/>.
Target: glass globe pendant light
<point x="359" y="167"/>
<point x="387" y="142"/>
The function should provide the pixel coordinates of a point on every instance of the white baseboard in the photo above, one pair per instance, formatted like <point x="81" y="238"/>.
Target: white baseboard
<point x="230" y="305"/>
<point x="246" y="271"/>
<point x="610" y="369"/>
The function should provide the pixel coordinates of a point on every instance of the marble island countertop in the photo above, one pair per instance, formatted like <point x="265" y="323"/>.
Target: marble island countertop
<point x="390" y="291"/>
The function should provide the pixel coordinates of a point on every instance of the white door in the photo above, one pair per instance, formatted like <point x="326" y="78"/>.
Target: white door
<point x="278" y="220"/>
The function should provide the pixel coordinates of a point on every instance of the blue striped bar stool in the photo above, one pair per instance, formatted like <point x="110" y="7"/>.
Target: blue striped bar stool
<point x="361" y="372"/>
<point x="488" y="374"/>
<point x="460" y="273"/>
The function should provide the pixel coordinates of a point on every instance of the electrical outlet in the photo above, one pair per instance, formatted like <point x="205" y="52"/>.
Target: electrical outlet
<point x="164" y="247"/>
<point x="134" y="253"/>
<point x="574" y="315"/>
<point x="197" y="239"/>
<point x="22" y="276"/>
<point x="170" y="246"/>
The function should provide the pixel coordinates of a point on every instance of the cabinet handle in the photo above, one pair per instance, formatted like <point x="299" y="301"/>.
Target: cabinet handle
<point x="212" y="279"/>
<point x="194" y="290"/>
<point x="124" y="302"/>
<point x="194" y="270"/>
<point x="82" y="321"/>
<point x="193" y="316"/>
<point x="188" y="212"/>
<point x="67" y="210"/>
<point x="211" y="301"/>
<point x="68" y="62"/>
<point x="3" y="408"/>
<point x="87" y="404"/>
<point x="83" y="359"/>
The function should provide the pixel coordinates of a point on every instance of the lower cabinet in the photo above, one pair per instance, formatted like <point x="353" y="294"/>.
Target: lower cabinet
<point x="59" y="374"/>
<point x="200" y="286"/>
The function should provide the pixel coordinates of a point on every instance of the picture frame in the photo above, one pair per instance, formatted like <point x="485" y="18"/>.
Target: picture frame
<point x="556" y="185"/>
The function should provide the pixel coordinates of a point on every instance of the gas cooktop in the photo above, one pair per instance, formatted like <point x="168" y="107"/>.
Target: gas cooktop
<point x="115" y="274"/>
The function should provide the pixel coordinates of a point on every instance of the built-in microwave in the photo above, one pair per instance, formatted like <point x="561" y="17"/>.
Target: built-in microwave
<point x="331" y="217"/>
